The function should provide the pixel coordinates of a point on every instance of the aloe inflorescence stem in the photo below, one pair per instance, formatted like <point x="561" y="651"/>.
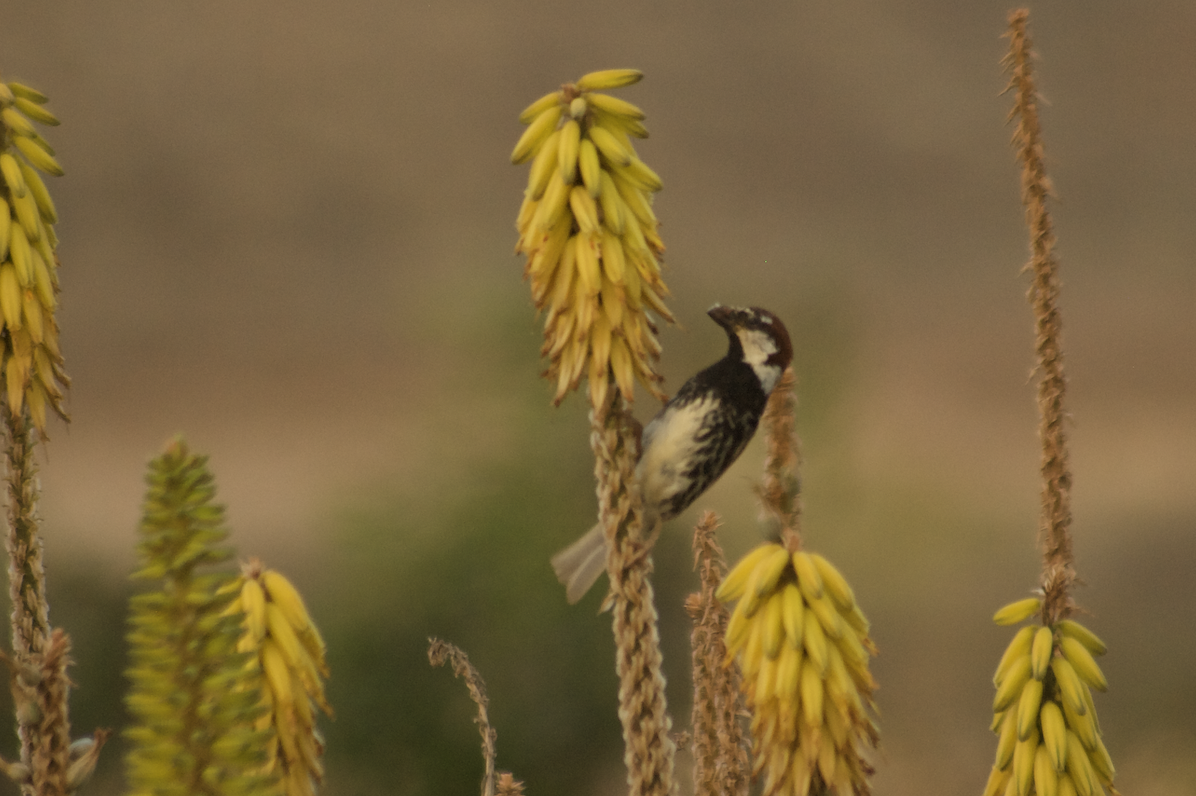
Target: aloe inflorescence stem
<point x="1048" y="738"/>
<point x="720" y="755"/>
<point x="801" y="640"/>
<point x="1055" y="522"/>
<point x="648" y="746"/>
<point x="593" y="260"/>
<point x="34" y="379"/>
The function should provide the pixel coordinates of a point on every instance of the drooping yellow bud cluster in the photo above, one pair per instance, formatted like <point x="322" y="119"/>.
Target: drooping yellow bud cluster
<point x="803" y="646"/>
<point x="32" y="361"/>
<point x="1048" y="738"/>
<point x="289" y="653"/>
<point x="590" y="236"/>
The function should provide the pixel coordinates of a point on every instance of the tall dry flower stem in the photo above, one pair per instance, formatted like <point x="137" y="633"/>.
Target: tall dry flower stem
<point x="1054" y="526"/>
<point x="50" y="755"/>
<point x="1049" y="740"/>
<point x="44" y="736"/>
<point x="720" y="754"/>
<point x="780" y="488"/>
<point x="442" y="652"/>
<point x="648" y="748"/>
<point x="26" y="571"/>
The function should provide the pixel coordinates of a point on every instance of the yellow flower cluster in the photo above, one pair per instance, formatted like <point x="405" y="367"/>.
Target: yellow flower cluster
<point x="803" y="645"/>
<point x="32" y="361"/>
<point x="290" y="653"/>
<point x="1048" y="739"/>
<point x="590" y="236"/>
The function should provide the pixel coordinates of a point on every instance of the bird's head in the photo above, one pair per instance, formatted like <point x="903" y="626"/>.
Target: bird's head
<point x="758" y="338"/>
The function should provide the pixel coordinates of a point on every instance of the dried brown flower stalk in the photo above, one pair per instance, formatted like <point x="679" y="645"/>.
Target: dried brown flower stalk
<point x="780" y="488"/>
<point x="508" y="785"/>
<point x="720" y="755"/>
<point x="1049" y="739"/>
<point x="26" y="573"/>
<point x="40" y="688"/>
<point x="1054" y="525"/>
<point x="45" y="736"/>
<point x="50" y="755"/>
<point x="442" y="652"/>
<point x="649" y="751"/>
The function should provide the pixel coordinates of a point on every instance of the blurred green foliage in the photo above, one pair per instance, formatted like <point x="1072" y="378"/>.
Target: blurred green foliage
<point x="484" y="584"/>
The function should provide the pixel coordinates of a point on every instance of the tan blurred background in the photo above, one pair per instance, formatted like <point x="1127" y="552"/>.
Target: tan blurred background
<point x="287" y="231"/>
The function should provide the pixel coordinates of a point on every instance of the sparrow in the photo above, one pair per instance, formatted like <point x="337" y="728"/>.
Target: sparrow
<point x="697" y="435"/>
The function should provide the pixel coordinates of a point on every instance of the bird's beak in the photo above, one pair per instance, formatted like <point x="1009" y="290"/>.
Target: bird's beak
<point x="720" y="314"/>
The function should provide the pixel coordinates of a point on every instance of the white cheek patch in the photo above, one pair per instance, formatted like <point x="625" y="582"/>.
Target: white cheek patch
<point x="758" y="346"/>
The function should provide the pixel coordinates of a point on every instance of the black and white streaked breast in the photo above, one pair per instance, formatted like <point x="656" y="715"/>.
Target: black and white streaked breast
<point x="699" y="435"/>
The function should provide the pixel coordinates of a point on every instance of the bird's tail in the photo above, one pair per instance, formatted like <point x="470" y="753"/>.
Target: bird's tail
<point x="580" y="564"/>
